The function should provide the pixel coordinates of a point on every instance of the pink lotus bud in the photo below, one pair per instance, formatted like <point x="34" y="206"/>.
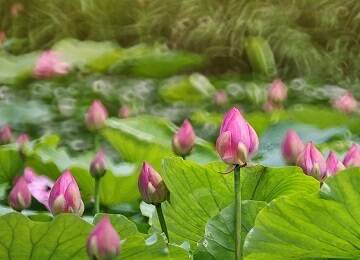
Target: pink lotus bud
<point x="124" y="112"/>
<point x="346" y="103"/>
<point x="352" y="157"/>
<point x="291" y="147"/>
<point x="22" y="140"/>
<point x="20" y="197"/>
<point x="49" y="65"/>
<point x="220" y="98"/>
<point x="312" y="162"/>
<point x="184" y="139"/>
<point x="277" y="92"/>
<point x="96" y="116"/>
<point x="333" y="165"/>
<point x="65" y="196"/>
<point x="237" y="141"/>
<point x="2" y="37"/>
<point x="5" y="134"/>
<point x="39" y="186"/>
<point x="97" y="166"/>
<point x="16" y="9"/>
<point x="103" y="242"/>
<point x="151" y="186"/>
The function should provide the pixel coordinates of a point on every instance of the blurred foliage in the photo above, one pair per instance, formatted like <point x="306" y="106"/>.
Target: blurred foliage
<point x="317" y="39"/>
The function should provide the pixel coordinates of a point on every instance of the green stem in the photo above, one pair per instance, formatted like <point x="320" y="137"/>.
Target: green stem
<point x="97" y="196"/>
<point x="237" y="188"/>
<point x="162" y="220"/>
<point x="184" y="157"/>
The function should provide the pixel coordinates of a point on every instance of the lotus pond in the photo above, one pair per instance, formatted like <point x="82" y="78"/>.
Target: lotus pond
<point x="145" y="152"/>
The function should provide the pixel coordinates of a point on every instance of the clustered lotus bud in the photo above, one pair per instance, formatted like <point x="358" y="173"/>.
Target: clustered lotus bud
<point x="333" y="165"/>
<point x="97" y="166"/>
<point x="49" y="65"/>
<point x="352" y="157"/>
<point x="103" y="242"/>
<point x="220" y="98"/>
<point x="184" y="139"/>
<point x="5" y="134"/>
<point x="312" y="162"/>
<point x="96" y="116"/>
<point x="237" y="141"/>
<point x="39" y="186"/>
<point x="20" y="196"/>
<point x="291" y="147"/>
<point x="277" y="94"/>
<point x="65" y="196"/>
<point x="124" y="112"/>
<point x="346" y="103"/>
<point x="151" y="186"/>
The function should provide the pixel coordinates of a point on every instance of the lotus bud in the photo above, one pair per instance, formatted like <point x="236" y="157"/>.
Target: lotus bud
<point x="220" y="98"/>
<point x="39" y="186"/>
<point x="237" y="141"/>
<point x="50" y="64"/>
<point x="65" y="196"/>
<point x="312" y="162"/>
<point x="124" y="112"/>
<point x="96" y="116"/>
<point x="5" y="135"/>
<point x="277" y="92"/>
<point x="346" y="103"/>
<point x="16" y="9"/>
<point x="184" y="139"/>
<point x="22" y="140"/>
<point x="103" y="242"/>
<point x="352" y="157"/>
<point x="20" y="196"/>
<point x="291" y="147"/>
<point x="333" y="165"/>
<point x="97" y="166"/>
<point x="2" y="37"/>
<point x="151" y="186"/>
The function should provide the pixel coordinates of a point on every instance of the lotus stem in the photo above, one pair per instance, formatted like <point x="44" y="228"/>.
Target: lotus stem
<point x="162" y="220"/>
<point x="237" y="188"/>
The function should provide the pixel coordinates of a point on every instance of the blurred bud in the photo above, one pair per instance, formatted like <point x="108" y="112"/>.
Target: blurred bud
<point x="97" y="166"/>
<point x="22" y="141"/>
<point x="220" y="98"/>
<point x="151" y="186"/>
<point x="2" y="37"/>
<point x="277" y="92"/>
<point x="20" y="197"/>
<point x="312" y="162"/>
<point x="103" y="242"/>
<point x="96" y="116"/>
<point x="5" y="134"/>
<point x="352" y="157"/>
<point x="49" y="65"/>
<point x="39" y="186"/>
<point x="333" y="165"/>
<point x="269" y="106"/>
<point x="65" y="196"/>
<point x="291" y="147"/>
<point x="16" y="9"/>
<point x="184" y="139"/>
<point x="346" y="103"/>
<point x="237" y="141"/>
<point x="124" y="112"/>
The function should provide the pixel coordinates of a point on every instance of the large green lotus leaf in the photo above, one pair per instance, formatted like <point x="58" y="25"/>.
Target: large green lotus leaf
<point x="155" y="62"/>
<point x="323" y="225"/>
<point x="204" y="191"/>
<point x="63" y="238"/>
<point x="191" y="89"/>
<point x="16" y="69"/>
<point x="219" y="231"/>
<point x="136" y="245"/>
<point x="95" y="55"/>
<point x="271" y="140"/>
<point x="10" y="163"/>
<point x="149" y="138"/>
